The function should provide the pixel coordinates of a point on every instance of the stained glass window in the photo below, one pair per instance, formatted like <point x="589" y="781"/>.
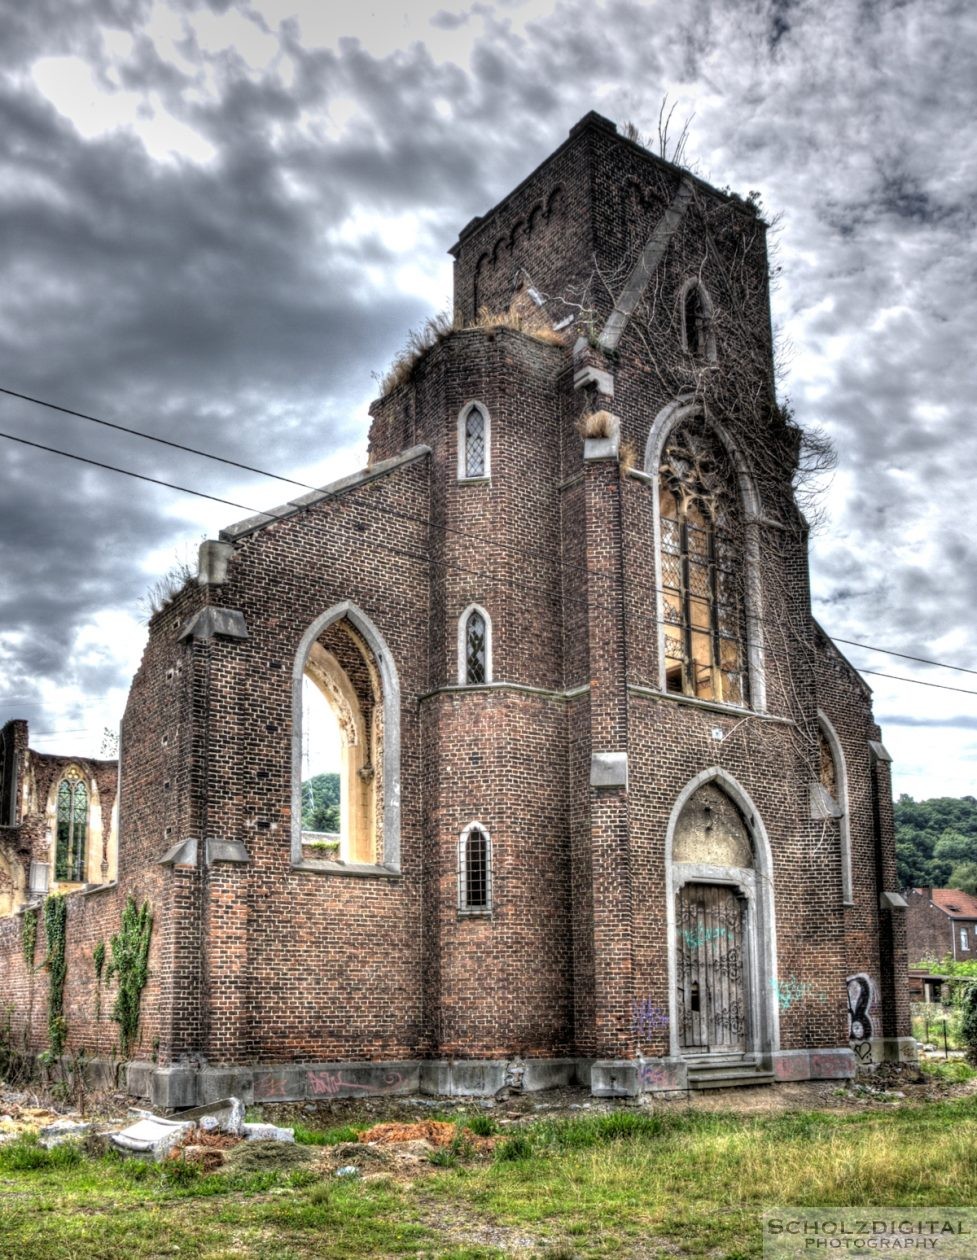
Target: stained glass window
<point x="72" y="827"/>
<point x="701" y="568"/>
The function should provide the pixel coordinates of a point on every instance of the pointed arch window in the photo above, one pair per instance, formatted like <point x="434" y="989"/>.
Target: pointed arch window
<point x="702" y="567"/>
<point x="474" y="647"/>
<point x="832" y="802"/>
<point x="473" y="443"/>
<point x="698" y="332"/>
<point x="345" y="747"/>
<point x="71" y="827"/>
<point x="475" y="871"/>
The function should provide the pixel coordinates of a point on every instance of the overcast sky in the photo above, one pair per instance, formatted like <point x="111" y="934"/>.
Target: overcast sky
<point x="218" y="222"/>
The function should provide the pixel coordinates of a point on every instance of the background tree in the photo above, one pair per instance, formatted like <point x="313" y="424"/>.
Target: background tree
<point x="936" y="841"/>
<point x="320" y="803"/>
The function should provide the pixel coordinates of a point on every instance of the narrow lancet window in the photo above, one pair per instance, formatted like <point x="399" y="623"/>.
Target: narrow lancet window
<point x="475" y="871"/>
<point x="693" y="321"/>
<point x="72" y="827"/>
<point x="702" y="568"/>
<point x="475" y="436"/>
<point x="476" y="667"/>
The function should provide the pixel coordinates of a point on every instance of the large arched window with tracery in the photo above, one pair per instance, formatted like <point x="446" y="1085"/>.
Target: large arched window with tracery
<point x="71" y="827"/>
<point x="702" y="567"/>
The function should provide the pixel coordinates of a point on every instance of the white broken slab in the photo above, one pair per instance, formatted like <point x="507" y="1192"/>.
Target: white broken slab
<point x="266" y="1133"/>
<point x="151" y="1136"/>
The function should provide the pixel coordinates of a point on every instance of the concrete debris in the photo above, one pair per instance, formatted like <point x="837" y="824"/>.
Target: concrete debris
<point x="152" y="1136"/>
<point x="266" y="1133"/>
<point x="348" y="1170"/>
<point x="63" y="1131"/>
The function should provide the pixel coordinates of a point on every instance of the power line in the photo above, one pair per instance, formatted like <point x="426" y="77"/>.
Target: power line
<point x="905" y="656"/>
<point x="170" y="485"/>
<point x="407" y="516"/>
<point x="151" y="437"/>
<point x="920" y="682"/>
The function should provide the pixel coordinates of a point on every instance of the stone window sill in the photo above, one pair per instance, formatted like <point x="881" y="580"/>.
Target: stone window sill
<point x="360" y="869"/>
<point x="474" y="481"/>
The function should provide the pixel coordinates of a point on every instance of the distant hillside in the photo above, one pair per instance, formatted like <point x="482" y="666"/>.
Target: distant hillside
<point x="936" y="842"/>
<point x="320" y="803"/>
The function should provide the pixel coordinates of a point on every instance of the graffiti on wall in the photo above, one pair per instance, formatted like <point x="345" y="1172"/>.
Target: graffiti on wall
<point x="861" y="1001"/>
<point x="647" y="1018"/>
<point x="791" y="992"/>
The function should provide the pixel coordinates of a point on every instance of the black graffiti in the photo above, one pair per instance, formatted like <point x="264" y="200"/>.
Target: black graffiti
<point x="860" y="997"/>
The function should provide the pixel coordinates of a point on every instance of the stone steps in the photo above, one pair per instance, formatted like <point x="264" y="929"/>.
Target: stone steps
<point x="728" y="1072"/>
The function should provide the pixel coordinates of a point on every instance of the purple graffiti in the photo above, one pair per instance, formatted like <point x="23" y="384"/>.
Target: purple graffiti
<point x="647" y="1018"/>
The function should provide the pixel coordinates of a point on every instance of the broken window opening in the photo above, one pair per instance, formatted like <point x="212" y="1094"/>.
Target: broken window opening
<point x="702" y="568"/>
<point x="341" y="748"/>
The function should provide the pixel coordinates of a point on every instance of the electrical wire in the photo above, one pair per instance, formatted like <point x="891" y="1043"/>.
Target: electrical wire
<point x="126" y="472"/>
<point x="380" y="507"/>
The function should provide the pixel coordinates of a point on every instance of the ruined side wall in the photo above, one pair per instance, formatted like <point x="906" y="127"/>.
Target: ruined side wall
<point x="306" y="964"/>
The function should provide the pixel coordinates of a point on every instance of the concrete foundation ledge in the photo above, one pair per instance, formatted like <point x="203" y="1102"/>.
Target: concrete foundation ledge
<point x="887" y="1050"/>
<point x="662" y="1076"/>
<point x="813" y="1065"/>
<point x="615" y="1078"/>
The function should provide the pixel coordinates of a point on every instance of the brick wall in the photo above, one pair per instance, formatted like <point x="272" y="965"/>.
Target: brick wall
<point x="259" y="959"/>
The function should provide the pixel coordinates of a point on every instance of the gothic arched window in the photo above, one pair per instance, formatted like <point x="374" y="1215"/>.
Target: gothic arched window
<point x="71" y="827"/>
<point x="702" y="567"/>
<point x="473" y="443"/>
<point x="833" y="803"/>
<point x="474" y="647"/>
<point x="474" y="871"/>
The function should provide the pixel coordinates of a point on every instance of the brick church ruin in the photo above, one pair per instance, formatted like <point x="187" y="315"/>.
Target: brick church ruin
<point x="614" y="809"/>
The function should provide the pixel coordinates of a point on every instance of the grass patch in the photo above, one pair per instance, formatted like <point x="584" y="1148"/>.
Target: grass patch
<point x="689" y="1182"/>
<point x="26" y="1154"/>
<point x="953" y="1071"/>
<point x="327" y="1137"/>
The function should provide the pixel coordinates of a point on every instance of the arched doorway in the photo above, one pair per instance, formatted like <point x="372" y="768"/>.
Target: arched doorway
<point x="721" y="947"/>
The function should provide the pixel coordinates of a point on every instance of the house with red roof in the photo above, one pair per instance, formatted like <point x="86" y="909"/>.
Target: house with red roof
<point x="940" y="923"/>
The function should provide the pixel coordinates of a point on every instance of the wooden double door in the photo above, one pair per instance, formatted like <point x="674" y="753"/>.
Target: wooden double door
<point x="712" y="974"/>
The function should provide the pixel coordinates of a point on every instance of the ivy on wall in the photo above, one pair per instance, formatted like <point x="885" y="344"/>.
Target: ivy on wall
<point x="130" y="962"/>
<point x="28" y="937"/>
<point x="98" y="962"/>
<point x="55" y="930"/>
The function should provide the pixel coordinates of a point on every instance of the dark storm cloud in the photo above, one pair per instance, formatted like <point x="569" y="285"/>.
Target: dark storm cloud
<point x="240" y="303"/>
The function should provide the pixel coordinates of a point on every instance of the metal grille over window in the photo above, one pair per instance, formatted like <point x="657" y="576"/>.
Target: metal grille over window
<point x="702" y="568"/>
<point x="72" y="827"/>
<point x="475" y="443"/>
<point x="475" y="671"/>
<point x="475" y="873"/>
